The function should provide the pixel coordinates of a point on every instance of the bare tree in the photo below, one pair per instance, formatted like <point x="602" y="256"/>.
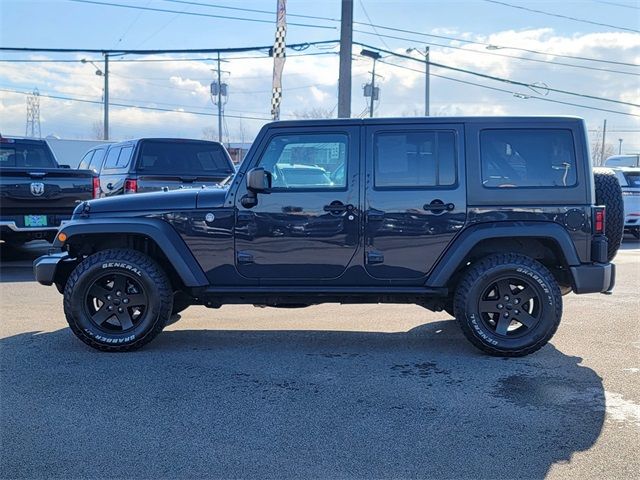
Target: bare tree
<point x="315" y="112"/>
<point x="97" y="130"/>
<point x="597" y="155"/>
<point x="209" y="133"/>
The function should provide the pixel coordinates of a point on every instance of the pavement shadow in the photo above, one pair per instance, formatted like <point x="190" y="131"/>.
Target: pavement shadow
<point x="16" y="261"/>
<point x="284" y="404"/>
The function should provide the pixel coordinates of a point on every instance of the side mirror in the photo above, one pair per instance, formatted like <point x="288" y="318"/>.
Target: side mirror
<point x="258" y="180"/>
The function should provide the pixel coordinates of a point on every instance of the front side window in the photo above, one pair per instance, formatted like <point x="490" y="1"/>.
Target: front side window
<point x="415" y="159"/>
<point x="307" y="161"/>
<point x="527" y="158"/>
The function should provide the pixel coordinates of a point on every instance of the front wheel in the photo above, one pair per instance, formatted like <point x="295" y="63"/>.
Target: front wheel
<point x="508" y="305"/>
<point x="117" y="300"/>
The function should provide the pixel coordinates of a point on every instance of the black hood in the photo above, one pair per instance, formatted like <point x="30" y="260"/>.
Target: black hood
<point x="183" y="199"/>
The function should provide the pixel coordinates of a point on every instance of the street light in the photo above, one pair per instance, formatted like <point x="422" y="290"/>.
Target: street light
<point x="104" y="74"/>
<point x="425" y="54"/>
<point x="375" y="56"/>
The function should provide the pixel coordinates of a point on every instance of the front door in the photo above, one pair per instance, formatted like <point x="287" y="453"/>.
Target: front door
<point x="307" y="227"/>
<point x="415" y="201"/>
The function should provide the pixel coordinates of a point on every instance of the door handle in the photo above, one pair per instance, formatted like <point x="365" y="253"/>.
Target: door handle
<point x="338" y="207"/>
<point x="438" y="205"/>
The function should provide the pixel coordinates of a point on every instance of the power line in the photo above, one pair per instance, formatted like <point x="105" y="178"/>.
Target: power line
<point x="515" y="94"/>
<point x="364" y="10"/>
<point x="209" y="15"/>
<point x="141" y="107"/>
<point x="498" y="47"/>
<point x="617" y="4"/>
<point x="293" y="46"/>
<point x="252" y="10"/>
<point x="558" y="15"/>
<point x="531" y="86"/>
<point x="586" y="67"/>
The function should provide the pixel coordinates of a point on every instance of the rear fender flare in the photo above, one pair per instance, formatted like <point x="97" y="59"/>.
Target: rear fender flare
<point x="167" y="239"/>
<point x="452" y="258"/>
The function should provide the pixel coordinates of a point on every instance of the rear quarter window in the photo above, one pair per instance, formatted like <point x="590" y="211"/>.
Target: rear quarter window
<point x="118" y="158"/>
<point x="527" y="158"/>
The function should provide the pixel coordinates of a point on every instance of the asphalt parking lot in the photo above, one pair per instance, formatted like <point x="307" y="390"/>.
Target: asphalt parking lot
<point x="325" y="392"/>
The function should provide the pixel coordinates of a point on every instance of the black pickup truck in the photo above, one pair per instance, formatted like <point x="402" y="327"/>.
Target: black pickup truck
<point x="491" y="219"/>
<point x="153" y="164"/>
<point x="36" y="194"/>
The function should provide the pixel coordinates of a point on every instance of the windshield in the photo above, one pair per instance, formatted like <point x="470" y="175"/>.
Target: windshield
<point x="184" y="158"/>
<point x="26" y="156"/>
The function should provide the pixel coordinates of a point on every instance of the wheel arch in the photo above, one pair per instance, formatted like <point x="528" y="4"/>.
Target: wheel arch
<point x="153" y="237"/>
<point x="546" y="242"/>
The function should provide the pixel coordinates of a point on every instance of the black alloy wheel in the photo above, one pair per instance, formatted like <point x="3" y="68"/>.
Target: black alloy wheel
<point x="510" y="306"/>
<point x="116" y="302"/>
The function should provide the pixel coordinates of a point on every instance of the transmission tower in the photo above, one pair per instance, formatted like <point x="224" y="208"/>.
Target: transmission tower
<point x="33" y="115"/>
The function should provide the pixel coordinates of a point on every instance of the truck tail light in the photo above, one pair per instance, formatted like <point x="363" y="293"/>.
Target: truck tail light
<point x="96" y="187"/>
<point x="130" y="185"/>
<point x="599" y="220"/>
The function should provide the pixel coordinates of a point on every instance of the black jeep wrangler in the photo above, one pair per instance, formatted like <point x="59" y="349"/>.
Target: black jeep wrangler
<point x="489" y="219"/>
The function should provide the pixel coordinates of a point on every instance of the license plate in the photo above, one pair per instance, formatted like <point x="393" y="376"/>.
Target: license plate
<point x="35" y="220"/>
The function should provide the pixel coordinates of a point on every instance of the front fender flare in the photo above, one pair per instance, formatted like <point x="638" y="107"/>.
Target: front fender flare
<point x="455" y="254"/>
<point x="163" y="234"/>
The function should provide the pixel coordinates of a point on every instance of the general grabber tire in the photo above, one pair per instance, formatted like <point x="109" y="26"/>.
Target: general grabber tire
<point x="609" y="194"/>
<point x="117" y="300"/>
<point x="508" y="305"/>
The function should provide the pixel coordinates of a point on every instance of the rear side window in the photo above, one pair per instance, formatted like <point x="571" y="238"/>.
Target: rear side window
<point x="527" y="158"/>
<point x="415" y="159"/>
<point x="86" y="160"/>
<point x="118" y="158"/>
<point x="632" y="178"/>
<point x="96" y="161"/>
<point x="184" y="158"/>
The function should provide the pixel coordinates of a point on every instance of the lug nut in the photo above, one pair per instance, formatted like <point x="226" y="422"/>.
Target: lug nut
<point x="118" y="293"/>
<point x="517" y="312"/>
<point x="500" y="306"/>
<point x="506" y="297"/>
<point x="516" y="301"/>
<point x="125" y="300"/>
<point x="506" y="315"/>
<point x="120" y="310"/>
<point x="108" y="297"/>
<point x="110" y="307"/>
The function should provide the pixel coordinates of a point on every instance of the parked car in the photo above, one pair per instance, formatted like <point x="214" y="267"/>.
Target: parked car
<point x="623" y="161"/>
<point x="491" y="219"/>
<point x="37" y="195"/>
<point x="152" y="164"/>
<point x="629" y="178"/>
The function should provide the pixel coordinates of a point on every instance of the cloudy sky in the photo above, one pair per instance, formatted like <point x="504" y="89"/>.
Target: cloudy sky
<point x="460" y="34"/>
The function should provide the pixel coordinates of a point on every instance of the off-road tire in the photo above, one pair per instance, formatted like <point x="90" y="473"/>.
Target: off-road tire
<point x="479" y="277"/>
<point x="609" y="194"/>
<point x="149" y="275"/>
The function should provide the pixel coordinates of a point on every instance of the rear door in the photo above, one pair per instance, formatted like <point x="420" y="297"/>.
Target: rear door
<point x="415" y="201"/>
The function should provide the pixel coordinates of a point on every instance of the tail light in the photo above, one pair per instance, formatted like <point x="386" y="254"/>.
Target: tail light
<point x="599" y="220"/>
<point x="130" y="185"/>
<point x="96" y="187"/>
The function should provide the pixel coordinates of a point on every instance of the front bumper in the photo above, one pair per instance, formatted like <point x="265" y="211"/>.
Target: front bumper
<point x="46" y="267"/>
<point x="593" y="278"/>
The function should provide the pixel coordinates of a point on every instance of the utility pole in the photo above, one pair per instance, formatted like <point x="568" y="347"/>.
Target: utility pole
<point x="371" y="90"/>
<point x="426" y="82"/>
<point x="106" y="96"/>
<point x="619" y="146"/>
<point x="604" y="136"/>
<point x="219" y="103"/>
<point x="219" y="90"/>
<point x="344" y="76"/>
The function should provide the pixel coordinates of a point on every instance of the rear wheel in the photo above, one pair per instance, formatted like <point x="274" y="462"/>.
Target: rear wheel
<point x="508" y="305"/>
<point x="117" y="300"/>
<point x="609" y="194"/>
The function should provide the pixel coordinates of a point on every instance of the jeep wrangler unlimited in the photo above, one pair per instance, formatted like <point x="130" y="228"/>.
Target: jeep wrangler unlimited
<point x="489" y="219"/>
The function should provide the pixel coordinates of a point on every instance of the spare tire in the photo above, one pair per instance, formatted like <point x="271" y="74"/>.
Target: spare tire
<point x="609" y="194"/>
